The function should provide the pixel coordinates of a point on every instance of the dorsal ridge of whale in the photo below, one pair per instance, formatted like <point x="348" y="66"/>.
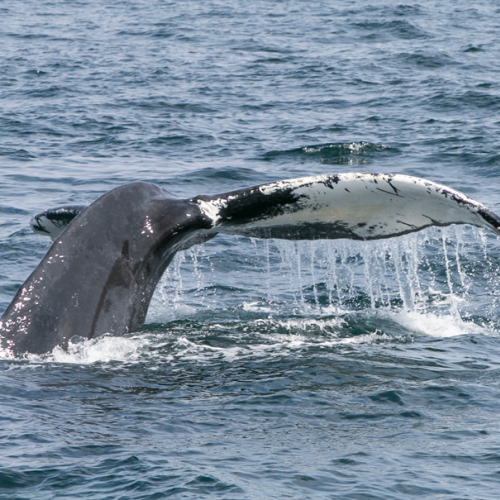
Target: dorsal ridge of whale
<point x="101" y="271"/>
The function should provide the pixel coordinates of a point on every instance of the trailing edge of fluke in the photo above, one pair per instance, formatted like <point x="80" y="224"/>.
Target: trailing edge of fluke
<point x="101" y="271"/>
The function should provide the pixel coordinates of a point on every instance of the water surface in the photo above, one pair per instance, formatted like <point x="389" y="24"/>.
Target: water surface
<point x="266" y="369"/>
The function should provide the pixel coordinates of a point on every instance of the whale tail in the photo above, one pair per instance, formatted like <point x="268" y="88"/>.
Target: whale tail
<point x="353" y="206"/>
<point x="102" y="269"/>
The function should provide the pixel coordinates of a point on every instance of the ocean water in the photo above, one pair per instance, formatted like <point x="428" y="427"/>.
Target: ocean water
<point x="266" y="369"/>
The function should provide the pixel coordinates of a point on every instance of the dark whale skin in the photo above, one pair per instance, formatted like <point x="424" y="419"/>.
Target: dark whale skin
<point x="100" y="274"/>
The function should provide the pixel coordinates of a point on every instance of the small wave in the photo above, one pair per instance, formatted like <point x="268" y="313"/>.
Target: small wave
<point x="400" y="29"/>
<point x="270" y="346"/>
<point x="472" y="99"/>
<point x="427" y="60"/>
<point x="19" y="154"/>
<point x="352" y="153"/>
<point x="302" y="326"/>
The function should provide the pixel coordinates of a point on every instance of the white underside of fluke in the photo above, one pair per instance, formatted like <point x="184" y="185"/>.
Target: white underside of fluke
<point x="370" y="206"/>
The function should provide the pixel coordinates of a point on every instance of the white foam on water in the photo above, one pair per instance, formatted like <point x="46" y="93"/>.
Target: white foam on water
<point x="188" y="350"/>
<point x="277" y="346"/>
<point x="433" y="325"/>
<point x="101" y="350"/>
<point x="303" y="325"/>
<point x="257" y="307"/>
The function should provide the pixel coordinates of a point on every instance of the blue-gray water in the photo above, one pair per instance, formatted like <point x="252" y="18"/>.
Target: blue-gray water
<point x="334" y="370"/>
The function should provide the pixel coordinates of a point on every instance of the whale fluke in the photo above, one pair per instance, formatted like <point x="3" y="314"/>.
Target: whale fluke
<point x="102" y="269"/>
<point x="53" y="221"/>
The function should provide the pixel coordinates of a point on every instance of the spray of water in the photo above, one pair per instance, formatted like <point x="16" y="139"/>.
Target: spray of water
<point x="273" y="297"/>
<point x="433" y="272"/>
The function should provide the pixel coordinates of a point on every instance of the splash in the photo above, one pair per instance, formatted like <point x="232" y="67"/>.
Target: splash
<point x="434" y="325"/>
<point x="435" y="271"/>
<point x="273" y="298"/>
<point x="102" y="350"/>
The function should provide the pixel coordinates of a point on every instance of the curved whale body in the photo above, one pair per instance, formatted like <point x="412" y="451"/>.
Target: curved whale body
<point x="101" y="272"/>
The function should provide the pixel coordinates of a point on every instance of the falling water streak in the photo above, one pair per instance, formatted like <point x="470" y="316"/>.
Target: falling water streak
<point x="397" y="267"/>
<point x="407" y="284"/>
<point x="312" y="250"/>
<point x="427" y="241"/>
<point x="447" y="262"/>
<point x="378" y="290"/>
<point x="385" y="258"/>
<point x="298" y="256"/>
<point x="344" y="257"/>
<point x="458" y="247"/>
<point x="179" y="260"/>
<point x="413" y="258"/>
<point x="377" y="278"/>
<point x="379" y="264"/>
<point x="162" y="291"/>
<point x="332" y="272"/>
<point x="268" y="271"/>
<point x="213" y="302"/>
<point x="368" y="275"/>
<point x="287" y="257"/>
<point x="193" y="254"/>
<point x="454" y="304"/>
<point x="484" y="242"/>
<point x="343" y="290"/>
<point x="420" y="252"/>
